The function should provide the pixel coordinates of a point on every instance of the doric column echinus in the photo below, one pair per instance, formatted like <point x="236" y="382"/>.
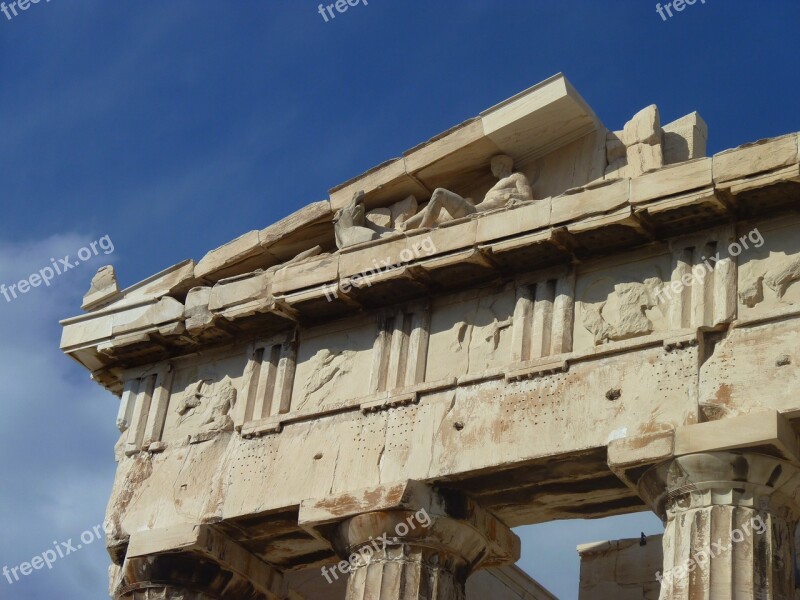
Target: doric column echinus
<point x="167" y="578"/>
<point x="168" y="593"/>
<point x="410" y="542"/>
<point x="424" y="565"/>
<point x="730" y="518"/>
<point x="180" y="577"/>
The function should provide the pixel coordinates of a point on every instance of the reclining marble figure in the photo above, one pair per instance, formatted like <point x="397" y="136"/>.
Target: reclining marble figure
<point x="512" y="187"/>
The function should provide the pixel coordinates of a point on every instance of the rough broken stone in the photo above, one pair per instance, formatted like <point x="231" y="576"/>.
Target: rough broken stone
<point x="198" y="316"/>
<point x="685" y="139"/>
<point x="638" y="148"/>
<point x="350" y="224"/>
<point x="643" y="128"/>
<point x="104" y="288"/>
<point x="403" y="210"/>
<point x="380" y="217"/>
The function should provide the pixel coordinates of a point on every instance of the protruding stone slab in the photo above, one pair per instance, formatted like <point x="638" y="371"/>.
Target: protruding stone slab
<point x="173" y="281"/>
<point x="672" y="180"/>
<point x="766" y="431"/>
<point x="280" y="242"/>
<point x="758" y="157"/>
<point x="251" y="288"/>
<point x="101" y="326"/>
<point x="244" y="247"/>
<point x="309" y="273"/>
<point x="599" y="198"/>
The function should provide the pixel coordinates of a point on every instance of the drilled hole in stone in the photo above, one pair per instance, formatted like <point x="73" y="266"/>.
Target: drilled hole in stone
<point x="318" y="455"/>
<point x="458" y="425"/>
<point x="613" y="394"/>
<point x="783" y="360"/>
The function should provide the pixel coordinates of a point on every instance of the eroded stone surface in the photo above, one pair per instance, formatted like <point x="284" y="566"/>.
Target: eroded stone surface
<point x="730" y="519"/>
<point x="535" y="358"/>
<point x="104" y="287"/>
<point x="350" y="223"/>
<point x="638" y="148"/>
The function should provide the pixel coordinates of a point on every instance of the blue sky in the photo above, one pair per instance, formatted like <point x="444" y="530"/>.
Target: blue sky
<point x="176" y="126"/>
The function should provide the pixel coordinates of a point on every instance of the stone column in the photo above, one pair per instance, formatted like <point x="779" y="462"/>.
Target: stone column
<point x="191" y="562"/>
<point x="164" y="577"/>
<point x="406" y="564"/>
<point x="168" y="593"/>
<point x="729" y="520"/>
<point x="409" y="541"/>
<point x="181" y="578"/>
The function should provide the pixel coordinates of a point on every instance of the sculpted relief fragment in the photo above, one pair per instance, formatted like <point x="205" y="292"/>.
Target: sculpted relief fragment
<point x="473" y="331"/>
<point x="511" y="188"/>
<point x="625" y="313"/>
<point x="354" y="225"/>
<point x="206" y="406"/>
<point x="350" y="224"/>
<point x="333" y="366"/>
<point x="327" y="368"/>
<point x="777" y="273"/>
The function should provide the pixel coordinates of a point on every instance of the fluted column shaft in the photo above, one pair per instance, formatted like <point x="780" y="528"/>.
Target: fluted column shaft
<point x="168" y="593"/>
<point x="729" y="519"/>
<point x="407" y="572"/>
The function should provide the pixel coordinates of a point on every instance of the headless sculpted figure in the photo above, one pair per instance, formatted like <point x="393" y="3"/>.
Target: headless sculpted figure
<point x="512" y="187"/>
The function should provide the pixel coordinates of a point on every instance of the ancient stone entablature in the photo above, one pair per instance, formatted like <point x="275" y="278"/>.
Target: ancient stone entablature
<point x="552" y="357"/>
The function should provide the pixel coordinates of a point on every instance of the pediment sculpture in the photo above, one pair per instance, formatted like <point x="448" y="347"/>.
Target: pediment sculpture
<point x="354" y="226"/>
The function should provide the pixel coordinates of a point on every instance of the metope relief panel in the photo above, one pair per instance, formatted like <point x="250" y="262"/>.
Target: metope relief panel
<point x="204" y="397"/>
<point x="620" y="301"/>
<point x="769" y="268"/>
<point x="334" y="363"/>
<point x="268" y="379"/>
<point x="471" y="333"/>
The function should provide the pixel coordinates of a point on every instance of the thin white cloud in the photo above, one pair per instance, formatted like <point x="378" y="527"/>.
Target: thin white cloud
<point x="56" y="430"/>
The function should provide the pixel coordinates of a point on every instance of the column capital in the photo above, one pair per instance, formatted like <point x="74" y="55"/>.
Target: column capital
<point x="409" y="540"/>
<point x="350" y="519"/>
<point x="192" y="562"/>
<point x="741" y="479"/>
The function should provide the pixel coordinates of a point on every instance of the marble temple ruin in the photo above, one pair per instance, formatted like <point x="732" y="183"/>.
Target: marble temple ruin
<point x="529" y="317"/>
